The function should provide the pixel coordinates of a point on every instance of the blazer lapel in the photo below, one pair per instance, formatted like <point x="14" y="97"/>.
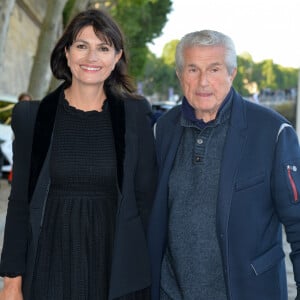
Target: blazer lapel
<point x="117" y="113"/>
<point x="166" y="156"/>
<point x="170" y="151"/>
<point x="42" y="135"/>
<point x="233" y="149"/>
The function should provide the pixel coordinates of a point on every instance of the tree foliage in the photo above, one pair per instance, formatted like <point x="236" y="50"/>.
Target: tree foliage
<point x="168" y="55"/>
<point x="72" y="8"/>
<point x="159" y="74"/>
<point x="244" y="76"/>
<point x="159" y="77"/>
<point x="141" y="21"/>
<point x="268" y="74"/>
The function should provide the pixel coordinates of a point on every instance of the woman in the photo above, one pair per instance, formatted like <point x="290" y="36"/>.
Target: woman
<point x="87" y="164"/>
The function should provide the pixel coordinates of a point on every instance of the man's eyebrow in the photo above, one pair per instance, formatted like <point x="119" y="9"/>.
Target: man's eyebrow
<point x="216" y="64"/>
<point x="191" y="65"/>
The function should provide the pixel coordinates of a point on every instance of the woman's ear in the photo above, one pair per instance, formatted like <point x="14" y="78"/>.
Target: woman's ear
<point x="67" y="55"/>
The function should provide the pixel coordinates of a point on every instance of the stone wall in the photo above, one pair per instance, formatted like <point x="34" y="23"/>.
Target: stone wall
<point x="23" y="34"/>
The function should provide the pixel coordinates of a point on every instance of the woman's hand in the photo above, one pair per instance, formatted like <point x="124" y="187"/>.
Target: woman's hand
<point x="12" y="289"/>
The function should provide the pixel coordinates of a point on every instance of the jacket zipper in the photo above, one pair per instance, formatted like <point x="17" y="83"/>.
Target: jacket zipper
<point x="292" y="182"/>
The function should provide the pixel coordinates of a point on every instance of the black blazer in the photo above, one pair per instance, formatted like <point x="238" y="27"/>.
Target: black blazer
<point x="32" y="123"/>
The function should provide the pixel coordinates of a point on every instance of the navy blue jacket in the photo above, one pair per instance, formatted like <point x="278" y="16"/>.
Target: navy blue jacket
<point x="258" y="192"/>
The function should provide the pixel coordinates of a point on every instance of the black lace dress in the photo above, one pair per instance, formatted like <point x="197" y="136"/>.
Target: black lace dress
<point x="75" y="246"/>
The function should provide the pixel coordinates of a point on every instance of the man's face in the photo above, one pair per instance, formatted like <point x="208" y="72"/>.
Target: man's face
<point x="205" y="80"/>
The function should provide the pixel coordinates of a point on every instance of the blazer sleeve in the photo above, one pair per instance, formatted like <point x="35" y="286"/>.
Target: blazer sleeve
<point x="286" y="190"/>
<point x="146" y="172"/>
<point x="13" y="257"/>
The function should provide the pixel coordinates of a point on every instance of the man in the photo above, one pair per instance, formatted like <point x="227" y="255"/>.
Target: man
<point x="229" y="178"/>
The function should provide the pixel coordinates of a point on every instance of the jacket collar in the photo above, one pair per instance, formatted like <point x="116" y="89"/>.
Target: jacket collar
<point x="188" y="112"/>
<point x="43" y="131"/>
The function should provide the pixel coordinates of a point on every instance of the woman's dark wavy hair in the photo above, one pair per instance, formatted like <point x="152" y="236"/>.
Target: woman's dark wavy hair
<point x="119" y="82"/>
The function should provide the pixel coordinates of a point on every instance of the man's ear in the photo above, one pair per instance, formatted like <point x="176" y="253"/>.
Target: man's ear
<point x="233" y="74"/>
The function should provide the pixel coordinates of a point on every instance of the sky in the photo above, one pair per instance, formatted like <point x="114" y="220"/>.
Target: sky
<point x="267" y="29"/>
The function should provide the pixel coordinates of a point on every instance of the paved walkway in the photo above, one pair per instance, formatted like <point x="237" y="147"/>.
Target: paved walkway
<point x="4" y="192"/>
<point x="290" y="276"/>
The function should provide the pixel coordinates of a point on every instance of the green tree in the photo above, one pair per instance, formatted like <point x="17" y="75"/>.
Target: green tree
<point x="269" y="76"/>
<point x="141" y="21"/>
<point x="72" y="8"/>
<point x="159" y="77"/>
<point x="265" y="74"/>
<point x="258" y="75"/>
<point x="169" y="50"/>
<point x="286" y="78"/>
<point x="244" y="76"/>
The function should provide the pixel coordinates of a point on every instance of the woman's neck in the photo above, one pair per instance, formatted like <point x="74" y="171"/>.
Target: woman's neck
<point x="86" y="99"/>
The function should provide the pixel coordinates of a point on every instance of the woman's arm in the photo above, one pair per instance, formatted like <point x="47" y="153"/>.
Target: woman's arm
<point x="13" y="257"/>
<point x="146" y="173"/>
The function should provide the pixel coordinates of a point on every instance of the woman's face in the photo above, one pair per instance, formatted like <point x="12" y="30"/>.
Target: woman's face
<point x="90" y="59"/>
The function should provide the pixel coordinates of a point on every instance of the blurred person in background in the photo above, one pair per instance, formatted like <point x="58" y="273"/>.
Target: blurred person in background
<point x="84" y="177"/>
<point x="229" y="179"/>
<point x="24" y="97"/>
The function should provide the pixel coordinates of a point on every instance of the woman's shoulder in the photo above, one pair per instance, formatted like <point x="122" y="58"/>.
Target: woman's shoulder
<point x="139" y="103"/>
<point x="26" y="106"/>
<point x="24" y="112"/>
